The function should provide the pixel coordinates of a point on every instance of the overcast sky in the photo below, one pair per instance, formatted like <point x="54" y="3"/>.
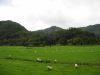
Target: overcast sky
<point x="40" y="14"/>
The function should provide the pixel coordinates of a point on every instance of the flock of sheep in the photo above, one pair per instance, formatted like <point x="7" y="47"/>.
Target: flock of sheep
<point x="50" y="67"/>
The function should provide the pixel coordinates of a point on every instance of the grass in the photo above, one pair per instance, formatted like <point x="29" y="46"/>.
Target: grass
<point x="22" y="60"/>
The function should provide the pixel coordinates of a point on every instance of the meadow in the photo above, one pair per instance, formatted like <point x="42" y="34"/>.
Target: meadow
<point x="19" y="60"/>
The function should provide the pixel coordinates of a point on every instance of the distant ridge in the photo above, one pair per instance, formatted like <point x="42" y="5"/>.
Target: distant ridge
<point x="50" y="29"/>
<point x="93" y="29"/>
<point x="12" y="33"/>
<point x="10" y="26"/>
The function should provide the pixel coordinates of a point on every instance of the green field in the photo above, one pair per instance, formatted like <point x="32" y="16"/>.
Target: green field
<point x="18" y="60"/>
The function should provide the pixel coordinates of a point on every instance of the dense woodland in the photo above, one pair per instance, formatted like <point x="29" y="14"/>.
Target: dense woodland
<point x="12" y="33"/>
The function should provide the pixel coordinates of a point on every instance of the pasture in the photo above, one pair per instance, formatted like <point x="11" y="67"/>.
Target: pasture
<point x="19" y="60"/>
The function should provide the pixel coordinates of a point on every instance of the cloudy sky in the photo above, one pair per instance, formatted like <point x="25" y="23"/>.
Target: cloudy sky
<point x="40" y="14"/>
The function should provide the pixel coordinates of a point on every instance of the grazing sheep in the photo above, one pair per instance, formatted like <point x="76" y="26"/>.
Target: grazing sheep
<point x="49" y="68"/>
<point x="55" y="61"/>
<point x="76" y="65"/>
<point x="39" y="60"/>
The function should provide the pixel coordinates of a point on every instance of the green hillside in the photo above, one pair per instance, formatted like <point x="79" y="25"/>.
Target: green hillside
<point x="93" y="28"/>
<point x="12" y="33"/>
<point x="10" y="26"/>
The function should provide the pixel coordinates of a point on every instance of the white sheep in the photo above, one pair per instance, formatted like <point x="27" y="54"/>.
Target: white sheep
<point x="39" y="60"/>
<point x="55" y="61"/>
<point x="49" y="68"/>
<point x="76" y="65"/>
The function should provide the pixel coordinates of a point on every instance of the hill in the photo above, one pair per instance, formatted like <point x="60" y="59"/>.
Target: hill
<point x="10" y="26"/>
<point x="93" y="29"/>
<point x="11" y="32"/>
<point x="50" y="29"/>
